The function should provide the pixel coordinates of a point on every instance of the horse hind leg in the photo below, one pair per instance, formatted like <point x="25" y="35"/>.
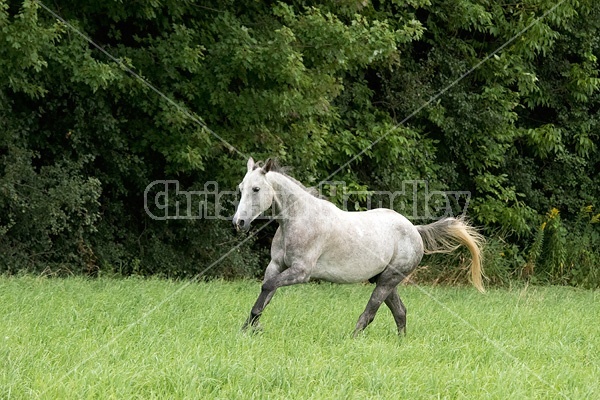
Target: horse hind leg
<point x="386" y="284"/>
<point x="398" y="310"/>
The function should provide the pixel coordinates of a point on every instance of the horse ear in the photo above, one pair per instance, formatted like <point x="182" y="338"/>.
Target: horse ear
<point x="250" y="164"/>
<point x="268" y="166"/>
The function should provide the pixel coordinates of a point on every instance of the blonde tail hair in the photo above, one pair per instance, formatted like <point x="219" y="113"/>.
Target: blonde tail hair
<point x="447" y="234"/>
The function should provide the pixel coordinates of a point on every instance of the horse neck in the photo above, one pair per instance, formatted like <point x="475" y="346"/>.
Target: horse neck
<point x="290" y="199"/>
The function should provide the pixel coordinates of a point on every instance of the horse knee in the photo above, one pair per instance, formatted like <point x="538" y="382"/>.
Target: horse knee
<point x="268" y="286"/>
<point x="288" y="277"/>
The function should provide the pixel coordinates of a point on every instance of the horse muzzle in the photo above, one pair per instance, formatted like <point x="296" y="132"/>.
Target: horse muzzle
<point x="241" y="224"/>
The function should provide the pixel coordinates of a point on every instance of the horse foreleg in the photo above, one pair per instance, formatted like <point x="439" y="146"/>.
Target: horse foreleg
<point x="263" y="299"/>
<point x="288" y="277"/>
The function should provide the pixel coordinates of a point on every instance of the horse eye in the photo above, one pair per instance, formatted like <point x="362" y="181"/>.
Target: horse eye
<point x="255" y="189"/>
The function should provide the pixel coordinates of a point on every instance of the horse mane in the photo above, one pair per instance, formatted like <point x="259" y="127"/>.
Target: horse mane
<point x="277" y="167"/>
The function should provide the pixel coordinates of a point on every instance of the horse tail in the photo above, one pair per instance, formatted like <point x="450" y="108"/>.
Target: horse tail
<point x="447" y="234"/>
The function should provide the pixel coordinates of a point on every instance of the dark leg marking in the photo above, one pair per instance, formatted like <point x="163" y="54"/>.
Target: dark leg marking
<point x="398" y="309"/>
<point x="263" y="299"/>
<point x="288" y="277"/>
<point x="386" y="284"/>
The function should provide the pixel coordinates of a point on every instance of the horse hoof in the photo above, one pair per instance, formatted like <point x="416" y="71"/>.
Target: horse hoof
<point x="256" y="328"/>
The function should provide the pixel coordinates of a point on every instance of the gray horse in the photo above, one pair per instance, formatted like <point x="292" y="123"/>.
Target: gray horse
<point x="317" y="240"/>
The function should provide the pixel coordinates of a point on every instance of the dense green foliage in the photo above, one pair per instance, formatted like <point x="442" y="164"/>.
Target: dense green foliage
<point x="313" y="84"/>
<point x="157" y="339"/>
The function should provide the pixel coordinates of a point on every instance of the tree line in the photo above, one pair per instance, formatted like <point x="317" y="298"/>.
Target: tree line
<point x="498" y="99"/>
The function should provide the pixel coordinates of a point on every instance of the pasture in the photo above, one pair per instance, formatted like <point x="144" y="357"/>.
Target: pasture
<point x="149" y="338"/>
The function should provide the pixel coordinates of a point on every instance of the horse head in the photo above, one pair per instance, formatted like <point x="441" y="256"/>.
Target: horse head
<point x="257" y="194"/>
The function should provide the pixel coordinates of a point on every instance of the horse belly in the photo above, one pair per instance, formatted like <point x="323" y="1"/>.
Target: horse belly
<point x="353" y="265"/>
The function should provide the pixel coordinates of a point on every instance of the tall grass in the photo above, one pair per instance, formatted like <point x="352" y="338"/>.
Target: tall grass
<point x="150" y="339"/>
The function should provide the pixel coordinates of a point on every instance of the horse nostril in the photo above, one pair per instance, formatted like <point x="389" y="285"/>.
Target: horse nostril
<point x="238" y="223"/>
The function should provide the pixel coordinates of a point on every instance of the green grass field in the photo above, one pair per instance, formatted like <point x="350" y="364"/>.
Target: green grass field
<point x="133" y="338"/>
